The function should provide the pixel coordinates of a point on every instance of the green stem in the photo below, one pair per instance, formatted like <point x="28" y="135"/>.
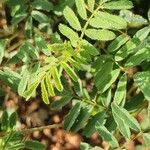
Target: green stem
<point x="88" y="21"/>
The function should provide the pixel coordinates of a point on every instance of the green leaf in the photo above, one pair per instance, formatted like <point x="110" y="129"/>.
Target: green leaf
<point x="106" y="135"/>
<point x="138" y="57"/>
<point x="81" y="8"/>
<point x="91" y="4"/>
<point x="56" y="78"/>
<point x="148" y="14"/>
<point x="102" y="71"/>
<point x="72" y="18"/>
<point x="4" y="121"/>
<point x="30" y="51"/>
<point x="42" y="5"/>
<point x="61" y="103"/>
<point x="118" y="42"/>
<point x="23" y="82"/>
<point x="71" y="117"/>
<point x="42" y="45"/>
<point x="134" y="21"/>
<point x="105" y="98"/>
<point x="107" y="80"/>
<point x="44" y="93"/>
<point x="2" y="49"/>
<point x="89" y="48"/>
<point x="124" y="114"/>
<point x="89" y="129"/>
<point x="10" y="78"/>
<point x="122" y="126"/>
<point x="69" y="71"/>
<point x="102" y="35"/>
<point x="86" y="146"/>
<point x="13" y="120"/>
<point x="34" y="145"/>
<point x="120" y="4"/>
<point x="146" y="138"/>
<point x="81" y="119"/>
<point x="40" y="17"/>
<point x="142" y="80"/>
<point x="127" y="49"/>
<point x="19" y="15"/>
<point x="108" y="21"/>
<point x="142" y="33"/>
<point x="121" y="90"/>
<point x="69" y="33"/>
<point x="31" y="89"/>
<point x="29" y="27"/>
<point x="49" y="86"/>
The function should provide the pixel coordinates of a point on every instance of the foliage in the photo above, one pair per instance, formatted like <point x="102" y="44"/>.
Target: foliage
<point x="95" y="38"/>
<point x="11" y="138"/>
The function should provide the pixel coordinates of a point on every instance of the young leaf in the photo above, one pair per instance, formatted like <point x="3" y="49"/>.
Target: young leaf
<point x="106" y="135"/>
<point x="120" y="4"/>
<point x="44" y="93"/>
<point x="71" y="117"/>
<point x="122" y="126"/>
<point x="81" y="8"/>
<point x="61" y="103"/>
<point x="117" y="43"/>
<point x="42" y="5"/>
<point x="56" y="78"/>
<point x="108" y="21"/>
<point x="89" y="129"/>
<point x="102" y="35"/>
<point x="142" y="80"/>
<point x="34" y="145"/>
<point x="40" y="17"/>
<point x="49" y="86"/>
<point x="121" y="89"/>
<point x="124" y="114"/>
<point x="69" y="33"/>
<point x="69" y="71"/>
<point x="72" y="18"/>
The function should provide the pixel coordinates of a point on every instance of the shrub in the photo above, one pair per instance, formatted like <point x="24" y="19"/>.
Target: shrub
<point x="71" y="45"/>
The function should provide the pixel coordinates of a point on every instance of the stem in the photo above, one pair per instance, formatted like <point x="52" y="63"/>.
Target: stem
<point x="31" y="130"/>
<point x="53" y="126"/>
<point x="88" y="21"/>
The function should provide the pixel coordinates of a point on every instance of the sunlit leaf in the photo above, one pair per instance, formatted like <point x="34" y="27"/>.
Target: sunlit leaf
<point x="72" y="18"/>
